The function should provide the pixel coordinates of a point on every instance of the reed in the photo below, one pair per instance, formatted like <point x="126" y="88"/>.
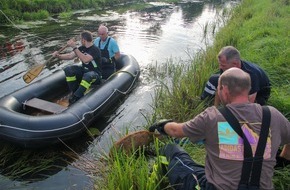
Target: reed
<point x="141" y="169"/>
<point x="127" y="171"/>
<point x="16" y="163"/>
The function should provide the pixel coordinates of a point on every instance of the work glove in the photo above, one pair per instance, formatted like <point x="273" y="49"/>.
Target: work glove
<point x="159" y="126"/>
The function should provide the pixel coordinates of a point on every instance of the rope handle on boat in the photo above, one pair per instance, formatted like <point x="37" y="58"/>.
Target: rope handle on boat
<point x="24" y="105"/>
<point x="121" y="72"/>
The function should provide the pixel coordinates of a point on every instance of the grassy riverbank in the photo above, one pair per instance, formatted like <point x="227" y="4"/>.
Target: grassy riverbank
<point x="260" y="30"/>
<point x="31" y="10"/>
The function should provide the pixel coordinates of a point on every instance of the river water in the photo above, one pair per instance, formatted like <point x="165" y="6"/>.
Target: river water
<point x="153" y="35"/>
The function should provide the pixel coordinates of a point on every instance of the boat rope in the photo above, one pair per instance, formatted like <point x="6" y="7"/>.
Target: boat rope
<point x="121" y="72"/>
<point x="85" y="158"/>
<point x="20" y="28"/>
<point x="132" y="84"/>
<point x="115" y="90"/>
<point x="81" y="120"/>
<point x="67" y="146"/>
<point x="27" y="33"/>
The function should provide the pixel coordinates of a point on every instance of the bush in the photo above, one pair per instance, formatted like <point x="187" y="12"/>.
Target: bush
<point x="40" y="15"/>
<point x="10" y="15"/>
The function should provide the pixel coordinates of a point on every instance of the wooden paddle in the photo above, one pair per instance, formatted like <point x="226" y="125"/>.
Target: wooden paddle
<point x="35" y="71"/>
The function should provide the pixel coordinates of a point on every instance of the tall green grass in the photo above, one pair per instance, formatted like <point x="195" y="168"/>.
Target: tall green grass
<point x="144" y="169"/>
<point x="137" y="170"/>
<point x="260" y="31"/>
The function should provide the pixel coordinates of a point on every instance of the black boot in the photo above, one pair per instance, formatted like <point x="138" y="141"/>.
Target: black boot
<point x="171" y="150"/>
<point x="73" y="99"/>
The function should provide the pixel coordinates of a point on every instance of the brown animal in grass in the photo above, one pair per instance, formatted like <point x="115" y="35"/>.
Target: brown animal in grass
<point x="133" y="141"/>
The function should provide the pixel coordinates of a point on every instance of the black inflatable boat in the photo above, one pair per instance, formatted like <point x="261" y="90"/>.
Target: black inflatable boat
<point x="32" y="118"/>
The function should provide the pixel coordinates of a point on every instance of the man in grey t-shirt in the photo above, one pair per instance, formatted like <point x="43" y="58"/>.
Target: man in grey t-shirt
<point x="224" y="147"/>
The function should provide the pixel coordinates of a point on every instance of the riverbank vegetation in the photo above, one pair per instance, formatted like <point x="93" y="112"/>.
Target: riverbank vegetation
<point x="27" y="10"/>
<point x="260" y="30"/>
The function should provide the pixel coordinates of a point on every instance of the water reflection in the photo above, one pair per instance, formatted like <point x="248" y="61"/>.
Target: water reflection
<point x="152" y="35"/>
<point x="158" y="32"/>
<point x="55" y="167"/>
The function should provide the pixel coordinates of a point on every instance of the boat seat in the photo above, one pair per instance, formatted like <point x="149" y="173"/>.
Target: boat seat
<point x="44" y="105"/>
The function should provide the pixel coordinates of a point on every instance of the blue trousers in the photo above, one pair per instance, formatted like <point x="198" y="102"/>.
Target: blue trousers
<point x="183" y="173"/>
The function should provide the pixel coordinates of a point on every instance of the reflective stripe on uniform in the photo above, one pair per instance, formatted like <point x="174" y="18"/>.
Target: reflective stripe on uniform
<point x="210" y="85"/>
<point x="87" y="90"/>
<point x="70" y="79"/>
<point x="94" y="63"/>
<point x="85" y="84"/>
<point x="210" y="88"/>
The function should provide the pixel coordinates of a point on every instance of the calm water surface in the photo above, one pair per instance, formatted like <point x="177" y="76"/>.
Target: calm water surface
<point x="153" y="36"/>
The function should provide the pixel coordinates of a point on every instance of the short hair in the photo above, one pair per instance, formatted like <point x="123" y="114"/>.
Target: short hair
<point x="230" y="52"/>
<point x="103" y="28"/>
<point x="87" y="35"/>
<point x="237" y="81"/>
